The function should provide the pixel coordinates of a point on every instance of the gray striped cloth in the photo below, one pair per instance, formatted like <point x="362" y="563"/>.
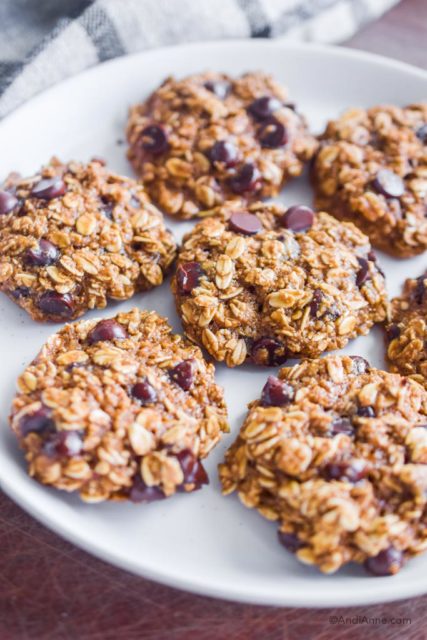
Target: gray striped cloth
<point x="45" y="41"/>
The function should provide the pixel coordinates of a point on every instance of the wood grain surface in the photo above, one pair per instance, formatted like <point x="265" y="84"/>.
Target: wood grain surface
<point x="50" y="590"/>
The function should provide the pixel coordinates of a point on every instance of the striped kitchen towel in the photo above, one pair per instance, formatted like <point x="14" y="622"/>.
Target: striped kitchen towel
<point x="68" y="36"/>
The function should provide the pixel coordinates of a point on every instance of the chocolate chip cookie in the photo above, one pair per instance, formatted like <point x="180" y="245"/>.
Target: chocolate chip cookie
<point x="204" y="139"/>
<point x="119" y="409"/>
<point x="406" y="333"/>
<point x="75" y="236"/>
<point x="335" y="452"/>
<point x="264" y="283"/>
<point x="372" y="169"/>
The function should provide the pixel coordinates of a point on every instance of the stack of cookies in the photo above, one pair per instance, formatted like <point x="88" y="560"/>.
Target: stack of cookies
<point x="334" y="451"/>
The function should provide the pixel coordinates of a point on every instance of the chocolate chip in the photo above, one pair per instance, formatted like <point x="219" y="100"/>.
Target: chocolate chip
<point x="107" y="330"/>
<point x="183" y="374"/>
<point x="273" y="134"/>
<point x="389" y="184"/>
<point x="43" y="254"/>
<point x="372" y="257"/>
<point x="140" y="492"/>
<point x="21" y="208"/>
<point x="246" y="223"/>
<point x="220" y="88"/>
<point x="264" y="107"/>
<point x="316" y="301"/>
<point x="49" y="188"/>
<point x="298" y="218"/>
<point x="56" y="304"/>
<point x="422" y="133"/>
<point x="192" y="468"/>
<point x="330" y="310"/>
<point x="75" y="365"/>
<point x="350" y="470"/>
<point x="419" y="290"/>
<point x="386" y="563"/>
<point x="107" y="207"/>
<point x="144" y="392"/>
<point x="246" y="179"/>
<point x="341" y="426"/>
<point x="360" y="365"/>
<point x="224" y="152"/>
<point x="363" y="275"/>
<point x="8" y="202"/>
<point x="20" y="292"/>
<point x="267" y="351"/>
<point x="37" y="422"/>
<point x="63" y="444"/>
<point x="276" y="393"/>
<point x="393" y="331"/>
<point x="366" y="412"/>
<point x="188" y="276"/>
<point x="154" y="139"/>
<point x="290" y="541"/>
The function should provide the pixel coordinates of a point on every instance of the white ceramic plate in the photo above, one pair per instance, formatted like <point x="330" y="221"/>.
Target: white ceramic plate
<point x="203" y="542"/>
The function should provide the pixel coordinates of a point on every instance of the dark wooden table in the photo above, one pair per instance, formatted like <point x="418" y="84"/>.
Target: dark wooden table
<point x="49" y="590"/>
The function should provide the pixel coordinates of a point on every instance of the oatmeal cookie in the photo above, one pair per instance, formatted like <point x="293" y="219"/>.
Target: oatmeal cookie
<point x="119" y="409"/>
<point x="266" y="283"/>
<point x="199" y="141"/>
<point x="371" y="169"/>
<point x="335" y="452"/>
<point x="406" y="333"/>
<point x="75" y="236"/>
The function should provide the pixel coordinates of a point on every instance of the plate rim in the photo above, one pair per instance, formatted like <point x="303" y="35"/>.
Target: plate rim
<point x="189" y="584"/>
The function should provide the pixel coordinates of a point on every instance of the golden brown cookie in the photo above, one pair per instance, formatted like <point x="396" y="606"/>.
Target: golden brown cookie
<point x="75" y="236"/>
<point x="119" y="409"/>
<point x="371" y="169"/>
<point x="406" y="333"/>
<point x="208" y="138"/>
<point x="335" y="452"/>
<point x="266" y="283"/>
